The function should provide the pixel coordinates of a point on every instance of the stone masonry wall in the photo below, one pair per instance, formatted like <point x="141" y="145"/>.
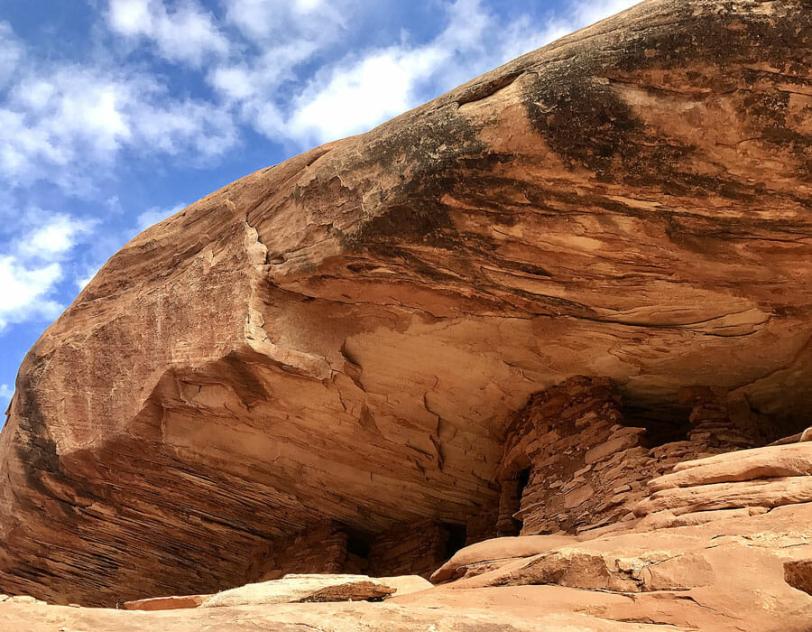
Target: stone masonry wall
<point x="414" y="549"/>
<point x="408" y="549"/>
<point x="584" y="468"/>
<point x="321" y="549"/>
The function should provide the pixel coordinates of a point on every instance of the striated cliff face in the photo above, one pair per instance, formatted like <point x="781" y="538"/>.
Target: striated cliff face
<point x="345" y="337"/>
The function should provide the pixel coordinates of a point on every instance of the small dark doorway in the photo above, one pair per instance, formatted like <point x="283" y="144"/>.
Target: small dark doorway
<point x="457" y="537"/>
<point x="522" y="479"/>
<point x="510" y="502"/>
<point x="358" y="547"/>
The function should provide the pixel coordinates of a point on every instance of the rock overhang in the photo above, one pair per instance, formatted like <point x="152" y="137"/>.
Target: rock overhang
<point x="347" y="334"/>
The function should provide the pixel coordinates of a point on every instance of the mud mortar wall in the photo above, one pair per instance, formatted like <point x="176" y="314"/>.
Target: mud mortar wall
<point x="585" y="467"/>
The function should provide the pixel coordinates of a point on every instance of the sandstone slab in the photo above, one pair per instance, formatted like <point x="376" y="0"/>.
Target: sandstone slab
<point x="165" y="603"/>
<point x="726" y="575"/>
<point x="489" y="551"/>
<point x="302" y="588"/>
<point x="746" y="465"/>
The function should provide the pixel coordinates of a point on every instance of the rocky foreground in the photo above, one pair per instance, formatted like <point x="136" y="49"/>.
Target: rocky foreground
<point x="744" y="568"/>
<point x="569" y="302"/>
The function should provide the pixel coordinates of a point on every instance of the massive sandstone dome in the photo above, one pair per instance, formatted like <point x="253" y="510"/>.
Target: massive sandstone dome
<point x="346" y="338"/>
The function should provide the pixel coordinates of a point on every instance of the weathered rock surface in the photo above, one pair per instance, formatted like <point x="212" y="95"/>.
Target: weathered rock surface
<point x="762" y="478"/>
<point x="319" y="588"/>
<point x="745" y="465"/>
<point x="345" y="336"/>
<point x="731" y="573"/>
<point x="496" y="550"/>
<point x="522" y="609"/>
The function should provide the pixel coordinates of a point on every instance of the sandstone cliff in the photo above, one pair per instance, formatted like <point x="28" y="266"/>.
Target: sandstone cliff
<point x="345" y="338"/>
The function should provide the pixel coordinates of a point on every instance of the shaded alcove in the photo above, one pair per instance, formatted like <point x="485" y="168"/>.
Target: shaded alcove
<point x="457" y="538"/>
<point x="358" y="549"/>
<point x="580" y="454"/>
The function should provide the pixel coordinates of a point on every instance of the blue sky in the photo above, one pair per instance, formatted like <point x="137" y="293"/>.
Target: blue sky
<point x="116" y="113"/>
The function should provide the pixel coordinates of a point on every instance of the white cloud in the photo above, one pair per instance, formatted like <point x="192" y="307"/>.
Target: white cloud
<point x="6" y="392"/>
<point x="281" y="36"/>
<point x="32" y="268"/>
<point x="10" y="52"/>
<point x="188" y="34"/>
<point x="57" y="120"/>
<point x="364" y="93"/>
<point x="81" y="282"/>
<point x="130" y="17"/>
<point x="288" y="20"/>
<point x="361" y="92"/>
<point x="54" y="239"/>
<point x="26" y="291"/>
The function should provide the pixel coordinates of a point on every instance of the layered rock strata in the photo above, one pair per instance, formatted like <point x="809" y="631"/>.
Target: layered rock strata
<point x="345" y="336"/>
<point x="731" y="572"/>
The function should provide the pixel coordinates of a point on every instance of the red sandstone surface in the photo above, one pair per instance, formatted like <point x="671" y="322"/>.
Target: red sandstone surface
<point x="544" y="340"/>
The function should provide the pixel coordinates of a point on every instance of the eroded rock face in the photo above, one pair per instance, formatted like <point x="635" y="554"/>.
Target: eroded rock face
<point x="798" y="574"/>
<point x="345" y="336"/>
<point x="729" y="572"/>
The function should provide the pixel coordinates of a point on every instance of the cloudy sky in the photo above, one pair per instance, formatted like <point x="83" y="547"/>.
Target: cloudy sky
<point x="116" y="113"/>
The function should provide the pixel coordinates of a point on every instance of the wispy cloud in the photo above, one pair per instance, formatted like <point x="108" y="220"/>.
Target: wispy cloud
<point x="186" y="34"/>
<point x="585" y="12"/>
<point x="359" y="93"/>
<point x="56" y="120"/>
<point x="31" y="268"/>
<point x="365" y="88"/>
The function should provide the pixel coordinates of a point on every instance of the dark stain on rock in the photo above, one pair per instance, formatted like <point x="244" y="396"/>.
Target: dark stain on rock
<point x="437" y="153"/>
<point x="582" y="120"/>
<point x="573" y="105"/>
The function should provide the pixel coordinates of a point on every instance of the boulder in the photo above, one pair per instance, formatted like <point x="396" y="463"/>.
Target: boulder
<point x="487" y="554"/>
<point x="323" y="588"/>
<point x="798" y="574"/>
<point x="302" y="588"/>
<point x="746" y="465"/>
